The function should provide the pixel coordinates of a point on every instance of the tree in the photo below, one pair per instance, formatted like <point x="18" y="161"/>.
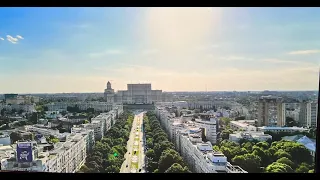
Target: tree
<point x="150" y="154"/>
<point x="85" y="169"/>
<point x="286" y="161"/>
<point x="225" y="121"/>
<point x="265" y="155"/>
<point x="152" y="166"/>
<point x="34" y="118"/>
<point x="225" y="134"/>
<point x="3" y="112"/>
<point x="247" y="146"/>
<point x="249" y="162"/>
<point x="20" y="111"/>
<point x="94" y="166"/>
<point x="311" y="171"/>
<point x="63" y="113"/>
<point x="177" y="168"/>
<point x="161" y="147"/>
<point x="168" y="158"/>
<point x="290" y="122"/>
<point x="150" y="143"/>
<point x="86" y="122"/>
<point x="278" y="168"/>
<point x="14" y="136"/>
<point x="112" y="169"/>
<point x="281" y="153"/>
<point x="263" y="145"/>
<point x="302" y="168"/>
<point x="240" y="118"/>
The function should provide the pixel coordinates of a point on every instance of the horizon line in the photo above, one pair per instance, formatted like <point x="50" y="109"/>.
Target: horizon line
<point x="168" y="91"/>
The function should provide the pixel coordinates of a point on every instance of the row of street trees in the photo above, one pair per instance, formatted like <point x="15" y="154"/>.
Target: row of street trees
<point x="162" y="158"/>
<point x="277" y="157"/>
<point x="108" y="154"/>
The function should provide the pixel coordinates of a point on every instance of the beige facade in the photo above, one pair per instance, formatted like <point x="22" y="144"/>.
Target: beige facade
<point x="271" y="111"/>
<point x="135" y="94"/>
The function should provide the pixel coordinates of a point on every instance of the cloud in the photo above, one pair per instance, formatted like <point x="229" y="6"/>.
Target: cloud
<point x="19" y="37"/>
<point x="1" y="39"/>
<point x="106" y="53"/>
<point x="14" y="40"/>
<point x="314" y="51"/>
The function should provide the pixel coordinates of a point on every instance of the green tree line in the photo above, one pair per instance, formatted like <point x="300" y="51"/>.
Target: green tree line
<point x="276" y="157"/>
<point x="107" y="155"/>
<point x="161" y="156"/>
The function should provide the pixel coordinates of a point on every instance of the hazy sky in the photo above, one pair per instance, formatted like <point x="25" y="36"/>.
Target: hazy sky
<point x="175" y="49"/>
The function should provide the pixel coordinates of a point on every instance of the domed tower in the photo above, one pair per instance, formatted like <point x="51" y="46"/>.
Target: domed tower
<point x="109" y="85"/>
<point x="109" y="93"/>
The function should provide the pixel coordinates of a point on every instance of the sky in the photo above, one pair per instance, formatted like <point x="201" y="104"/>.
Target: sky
<point x="52" y="50"/>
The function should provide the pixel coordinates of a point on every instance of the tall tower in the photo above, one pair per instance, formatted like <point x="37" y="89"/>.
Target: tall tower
<point x="109" y="93"/>
<point x="271" y="111"/>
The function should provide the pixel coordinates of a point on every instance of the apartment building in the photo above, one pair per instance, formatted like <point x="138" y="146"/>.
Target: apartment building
<point x="201" y="158"/>
<point x="242" y="126"/>
<point x="281" y="129"/>
<point x="308" y="114"/>
<point x="271" y="111"/>
<point x="62" y="157"/>
<point x="259" y="136"/>
<point x="25" y="107"/>
<point x="188" y="136"/>
<point x="168" y="122"/>
<point x="98" y="106"/>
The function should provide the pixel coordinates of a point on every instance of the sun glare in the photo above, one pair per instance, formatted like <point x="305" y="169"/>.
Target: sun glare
<point x="176" y="28"/>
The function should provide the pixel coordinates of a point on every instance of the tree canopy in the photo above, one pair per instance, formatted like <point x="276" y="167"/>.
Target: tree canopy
<point x="280" y="156"/>
<point x="102" y="158"/>
<point x="162" y="158"/>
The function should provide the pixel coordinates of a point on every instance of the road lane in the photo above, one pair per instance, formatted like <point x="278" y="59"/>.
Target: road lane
<point x="134" y="163"/>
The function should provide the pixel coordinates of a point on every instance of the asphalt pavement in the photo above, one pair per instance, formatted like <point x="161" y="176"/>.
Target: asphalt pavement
<point x="129" y="156"/>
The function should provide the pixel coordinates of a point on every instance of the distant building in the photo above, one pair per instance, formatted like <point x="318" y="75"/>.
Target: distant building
<point x="135" y="94"/>
<point x="242" y="126"/>
<point x="192" y="139"/>
<point x="259" y="136"/>
<point x="281" y="129"/>
<point x="271" y="111"/>
<point x="308" y="114"/>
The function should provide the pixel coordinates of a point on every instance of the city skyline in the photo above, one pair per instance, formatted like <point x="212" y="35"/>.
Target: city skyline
<point x="52" y="50"/>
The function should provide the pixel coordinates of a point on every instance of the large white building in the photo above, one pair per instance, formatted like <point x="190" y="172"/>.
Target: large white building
<point x="135" y="94"/>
